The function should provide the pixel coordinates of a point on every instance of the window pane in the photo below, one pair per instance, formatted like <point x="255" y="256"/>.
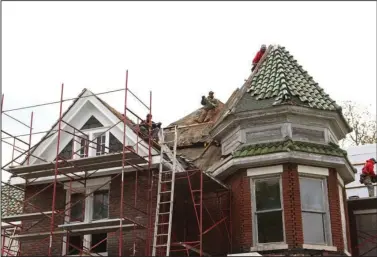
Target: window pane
<point x="75" y="244"/>
<point x="100" y="205"/>
<point x="99" y="244"/>
<point x="313" y="226"/>
<point x="267" y="194"/>
<point x="270" y="227"/>
<point x="311" y="192"/>
<point x="83" y="148"/>
<point x="101" y="145"/>
<point x="78" y="208"/>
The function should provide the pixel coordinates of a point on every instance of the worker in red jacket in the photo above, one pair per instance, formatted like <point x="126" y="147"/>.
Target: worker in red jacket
<point x="258" y="56"/>
<point x="368" y="175"/>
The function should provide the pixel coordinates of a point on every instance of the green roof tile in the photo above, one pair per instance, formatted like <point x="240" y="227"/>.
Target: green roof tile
<point x="289" y="145"/>
<point x="281" y="77"/>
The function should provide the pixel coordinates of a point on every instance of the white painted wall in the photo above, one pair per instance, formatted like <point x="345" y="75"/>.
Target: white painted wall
<point x="358" y="155"/>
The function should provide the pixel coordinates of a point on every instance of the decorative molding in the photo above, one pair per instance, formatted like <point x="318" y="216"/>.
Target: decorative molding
<point x="311" y="170"/>
<point x="265" y="171"/>
<point x="269" y="247"/>
<point x="320" y="247"/>
<point x="331" y="117"/>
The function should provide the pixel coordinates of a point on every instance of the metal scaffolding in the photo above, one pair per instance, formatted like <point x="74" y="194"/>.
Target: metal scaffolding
<point x="80" y="170"/>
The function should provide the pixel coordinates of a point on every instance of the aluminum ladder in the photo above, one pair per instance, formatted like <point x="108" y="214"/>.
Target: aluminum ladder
<point x="164" y="208"/>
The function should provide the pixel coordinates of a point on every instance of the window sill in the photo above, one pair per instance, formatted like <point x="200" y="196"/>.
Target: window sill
<point x="320" y="247"/>
<point x="269" y="247"/>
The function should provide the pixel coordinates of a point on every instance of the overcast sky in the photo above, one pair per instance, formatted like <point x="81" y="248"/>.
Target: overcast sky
<point x="179" y="50"/>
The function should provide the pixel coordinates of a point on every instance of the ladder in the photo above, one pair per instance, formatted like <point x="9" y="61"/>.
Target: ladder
<point x="165" y="197"/>
<point x="7" y="250"/>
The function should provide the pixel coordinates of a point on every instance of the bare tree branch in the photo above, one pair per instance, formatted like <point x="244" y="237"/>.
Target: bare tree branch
<point x="362" y="122"/>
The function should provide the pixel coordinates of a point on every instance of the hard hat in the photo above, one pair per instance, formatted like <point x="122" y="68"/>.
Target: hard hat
<point x="263" y="46"/>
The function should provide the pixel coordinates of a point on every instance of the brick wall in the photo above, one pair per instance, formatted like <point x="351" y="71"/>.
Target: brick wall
<point x="130" y="212"/>
<point x="242" y="236"/>
<point x="292" y="206"/>
<point x="43" y="201"/>
<point x="334" y="205"/>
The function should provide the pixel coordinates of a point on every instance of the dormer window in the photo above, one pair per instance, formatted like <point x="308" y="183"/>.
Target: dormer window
<point x="101" y="145"/>
<point x="83" y="148"/>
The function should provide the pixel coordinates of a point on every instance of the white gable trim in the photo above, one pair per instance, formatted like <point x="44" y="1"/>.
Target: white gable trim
<point x="78" y="114"/>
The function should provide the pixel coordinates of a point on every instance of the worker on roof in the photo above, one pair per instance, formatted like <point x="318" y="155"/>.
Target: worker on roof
<point x="258" y="56"/>
<point x="146" y="125"/>
<point x="368" y="177"/>
<point x="209" y="105"/>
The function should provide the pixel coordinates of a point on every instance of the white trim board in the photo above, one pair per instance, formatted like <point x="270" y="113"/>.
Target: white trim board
<point x="85" y="107"/>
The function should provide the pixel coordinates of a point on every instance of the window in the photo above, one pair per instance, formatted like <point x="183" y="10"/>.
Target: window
<point x="268" y="211"/>
<point x="78" y="207"/>
<point x="314" y="210"/>
<point x="94" y="207"/>
<point x="101" y="144"/>
<point x="100" y="205"/>
<point x="99" y="243"/>
<point x="75" y="243"/>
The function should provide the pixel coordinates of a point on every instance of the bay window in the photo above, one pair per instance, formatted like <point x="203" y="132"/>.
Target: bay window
<point x="315" y="212"/>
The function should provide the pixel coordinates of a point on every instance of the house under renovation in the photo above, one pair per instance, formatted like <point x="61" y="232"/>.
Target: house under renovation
<point x="260" y="174"/>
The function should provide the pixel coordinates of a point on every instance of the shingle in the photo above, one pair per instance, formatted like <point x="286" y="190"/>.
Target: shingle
<point x="290" y="145"/>
<point x="281" y="77"/>
<point x="9" y="205"/>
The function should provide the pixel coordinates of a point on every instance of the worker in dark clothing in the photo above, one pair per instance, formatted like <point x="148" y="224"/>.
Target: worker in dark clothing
<point x="368" y="176"/>
<point x="147" y="124"/>
<point x="209" y="105"/>
<point x="258" y="56"/>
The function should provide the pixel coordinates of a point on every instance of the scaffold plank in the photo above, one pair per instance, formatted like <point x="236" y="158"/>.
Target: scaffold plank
<point x="73" y="232"/>
<point x="77" y="165"/>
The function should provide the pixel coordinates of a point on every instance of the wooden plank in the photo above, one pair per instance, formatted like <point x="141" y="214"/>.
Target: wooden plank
<point x="94" y="230"/>
<point x="77" y="165"/>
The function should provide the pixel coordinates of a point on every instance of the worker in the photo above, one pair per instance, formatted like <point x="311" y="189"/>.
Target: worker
<point x="258" y="56"/>
<point x="147" y="124"/>
<point x="368" y="176"/>
<point x="209" y="105"/>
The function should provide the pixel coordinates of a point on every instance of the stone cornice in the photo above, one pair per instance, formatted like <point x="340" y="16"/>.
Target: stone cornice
<point x="231" y="165"/>
<point x="233" y="120"/>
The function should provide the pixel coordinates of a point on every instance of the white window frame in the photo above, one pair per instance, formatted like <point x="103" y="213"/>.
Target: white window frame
<point x="327" y="227"/>
<point x="254" y="212"/>
<point x="92" y="146"/>
<point x="92" y="185"/>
